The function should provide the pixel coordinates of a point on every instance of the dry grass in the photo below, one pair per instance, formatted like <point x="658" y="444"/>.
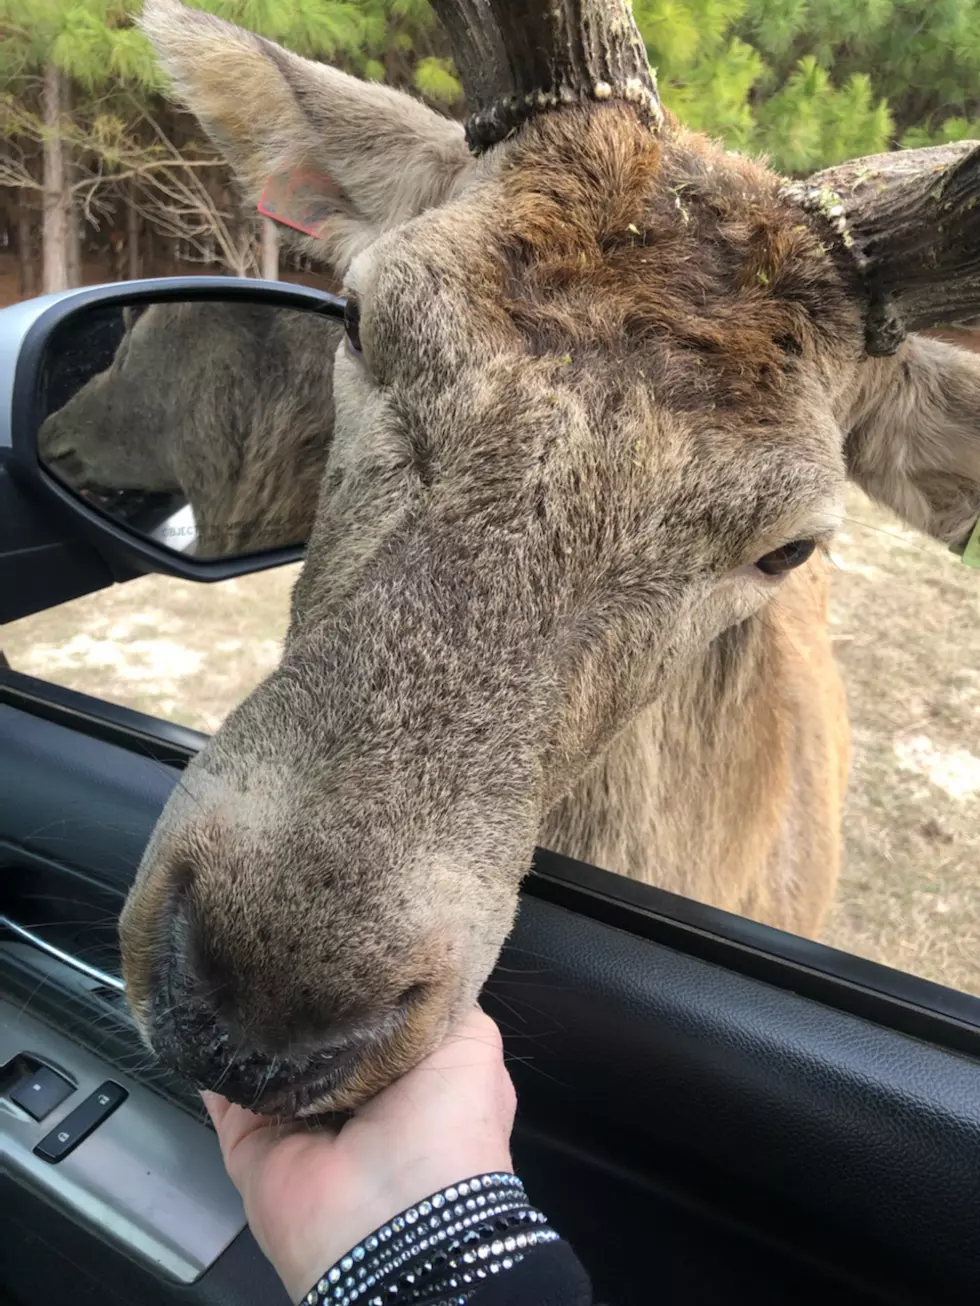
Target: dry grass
<point x="906" y="620"/>
<point x="172" y="648"/>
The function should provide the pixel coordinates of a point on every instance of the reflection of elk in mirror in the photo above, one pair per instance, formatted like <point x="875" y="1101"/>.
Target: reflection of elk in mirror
<point x="567" y="584"/>
<point x="230" y="405"/>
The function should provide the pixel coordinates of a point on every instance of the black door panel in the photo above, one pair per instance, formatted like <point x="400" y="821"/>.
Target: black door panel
<point x="45" y="1257"/>
<point x="695" y="1131"/>
<point x="66" y="798"/>
<point x="788" y="1113"/>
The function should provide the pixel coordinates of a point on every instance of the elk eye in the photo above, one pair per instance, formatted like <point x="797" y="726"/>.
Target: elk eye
<point x="352" y="324"/>
<point x="785" y="559"/>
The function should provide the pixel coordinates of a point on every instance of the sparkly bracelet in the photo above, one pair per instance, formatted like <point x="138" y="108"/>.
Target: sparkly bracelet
<point x="437" y="1252"/>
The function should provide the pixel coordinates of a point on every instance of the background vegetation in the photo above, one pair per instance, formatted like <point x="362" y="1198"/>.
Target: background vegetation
<point x="100" y="179"/>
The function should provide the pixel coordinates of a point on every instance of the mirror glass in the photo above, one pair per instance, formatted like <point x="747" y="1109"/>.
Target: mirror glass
<point x="201" y="425"/>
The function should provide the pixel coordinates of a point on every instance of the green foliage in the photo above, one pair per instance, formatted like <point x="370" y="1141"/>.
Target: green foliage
<point x="845" y="78"/>
<point x="806" y="83"/>
<point x="93" y="41"/>
<point x="762" y="75"/>
<point x="950" y="130"/>
<point x="434" y="78"/>
<point x="808" y="122"/>
<point x="310" y="27"/>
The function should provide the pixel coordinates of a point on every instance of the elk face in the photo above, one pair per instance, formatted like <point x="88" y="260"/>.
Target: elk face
<point x="597" y="397"/>
<point x="110" y="433"/>
<point x="229" y="404"/>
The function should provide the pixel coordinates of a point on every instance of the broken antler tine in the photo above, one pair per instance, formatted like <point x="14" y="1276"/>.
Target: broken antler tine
<point x="516" y="58"/>
<point x="906" y="225"/>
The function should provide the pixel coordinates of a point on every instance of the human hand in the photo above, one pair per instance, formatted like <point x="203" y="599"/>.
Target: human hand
<point x="312" y="1196"/>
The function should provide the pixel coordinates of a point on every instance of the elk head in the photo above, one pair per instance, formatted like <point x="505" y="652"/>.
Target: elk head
<point x="601" y="389"/>
<point x="228" y="404"/>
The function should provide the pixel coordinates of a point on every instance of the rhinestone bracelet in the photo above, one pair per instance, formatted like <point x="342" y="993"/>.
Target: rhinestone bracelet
<point x="437" y="1215"/>
<point x="437" y="1252"/>
<point x="496" y="1218"/>
<point x="443" y="1210"/>
<point x="437" y="1281"/>
<point x="372" y="1264"/>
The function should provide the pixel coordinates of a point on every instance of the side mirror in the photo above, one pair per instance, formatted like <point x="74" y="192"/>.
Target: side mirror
<point x="179" y="425"/>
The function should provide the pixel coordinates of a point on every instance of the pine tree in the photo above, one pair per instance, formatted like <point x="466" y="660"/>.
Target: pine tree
<point x="57" y="57"/>
<point x="123" y="145"/>
<point x="84" y="127"/>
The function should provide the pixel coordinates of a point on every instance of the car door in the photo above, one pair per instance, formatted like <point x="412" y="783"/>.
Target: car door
<point x="711" y="1110"/>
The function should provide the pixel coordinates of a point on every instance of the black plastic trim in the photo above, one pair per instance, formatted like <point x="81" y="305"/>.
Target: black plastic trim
<point x="891" y="998"/>
<point x="94" y="526"/>
<point x="84" y="1120"/>
<point x="150" y="736"/>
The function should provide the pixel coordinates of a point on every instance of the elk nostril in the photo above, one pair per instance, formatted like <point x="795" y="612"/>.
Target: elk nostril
<point x="182" y="879"/>
<point x="197" y="971"/>
<point x="412" y="996"/>
<point x="179" y="891"/>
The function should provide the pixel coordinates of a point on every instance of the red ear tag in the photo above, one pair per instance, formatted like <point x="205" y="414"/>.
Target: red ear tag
<point x="304" y="201"/>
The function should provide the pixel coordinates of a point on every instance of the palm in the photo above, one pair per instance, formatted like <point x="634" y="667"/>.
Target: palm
<point x="312" y="1194"/>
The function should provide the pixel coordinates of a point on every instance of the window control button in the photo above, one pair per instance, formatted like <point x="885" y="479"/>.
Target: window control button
<point x="79" y="1123"/>
<point x="41" y="1092"/>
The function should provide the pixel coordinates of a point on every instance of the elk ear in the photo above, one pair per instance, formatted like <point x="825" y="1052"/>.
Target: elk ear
<point x="333" y="160"/>
<point x="914" y="438"/>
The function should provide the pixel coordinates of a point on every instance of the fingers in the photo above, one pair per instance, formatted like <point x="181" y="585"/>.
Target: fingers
<point x="477" y="1034"/>
<point x="217" y="1107"/>
<point x="480" y="1028"/>
<point x="466" y="1068"/>
<point x="232" y="1123"/>
<point x="468" y="1062"/>
<point x="245" y="1139"/>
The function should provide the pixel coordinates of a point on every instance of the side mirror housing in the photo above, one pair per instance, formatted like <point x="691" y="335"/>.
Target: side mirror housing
<point x="179" y="425"/>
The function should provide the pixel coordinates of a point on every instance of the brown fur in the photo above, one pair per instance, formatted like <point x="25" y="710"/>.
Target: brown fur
<point x="603" y="374"/>
<point x="769" y="798"/>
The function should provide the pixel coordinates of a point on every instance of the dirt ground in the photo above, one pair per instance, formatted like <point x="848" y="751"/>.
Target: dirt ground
<point x="906" y="618"/>
<point x="906" y="621"/>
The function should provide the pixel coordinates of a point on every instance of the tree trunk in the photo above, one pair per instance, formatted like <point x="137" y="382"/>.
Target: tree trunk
<point x="148" y="251"/>
<point x="117" y="255"/>
<point x="241" y="249"/>
<point x="270" y="251"/>
<point x="76" y="224"/>
<point x="25" y="248"/>
<point x="57" y="198"/>
<point x="133" y="241"/>
<point x="74" y="254"/>
<point x="242" y="232"/>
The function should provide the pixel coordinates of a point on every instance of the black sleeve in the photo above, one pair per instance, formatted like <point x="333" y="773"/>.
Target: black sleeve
<point x="551" y="1275"/>
<point x="477" y="1242"/>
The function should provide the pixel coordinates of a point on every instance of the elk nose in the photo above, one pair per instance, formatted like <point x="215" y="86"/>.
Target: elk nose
<point x="250" y="1040"/>
<point x="257" y="1080"/>
<point x="224" y="1042"/>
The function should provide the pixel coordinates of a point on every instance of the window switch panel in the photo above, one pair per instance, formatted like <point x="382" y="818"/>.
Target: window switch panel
<point x="77" y="1126"/>
<point x="38" y="1094"/>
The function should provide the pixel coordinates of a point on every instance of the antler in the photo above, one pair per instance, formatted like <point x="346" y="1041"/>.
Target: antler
<point x="516" y="59"/>
<point x="908" y="225"/>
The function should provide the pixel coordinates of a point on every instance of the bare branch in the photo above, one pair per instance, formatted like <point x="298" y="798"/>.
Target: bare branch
<point x="15" y="169"/>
